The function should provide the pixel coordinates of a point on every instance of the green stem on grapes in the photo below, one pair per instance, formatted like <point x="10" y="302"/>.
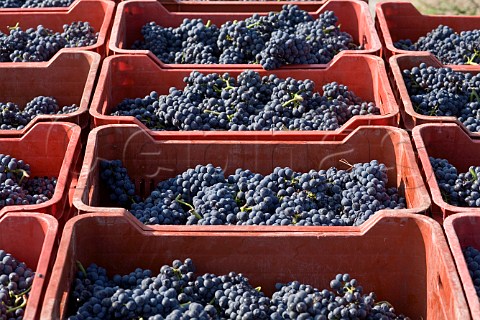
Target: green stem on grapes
<point x="209" y="23"/>
<point x="475" y="95"/>
<point x="296" y="98"/>
<point x="245" y="208"/>
<point x="82" y="269"/>
<point x="256" y="24"/>
<point x="15" y="27"/>
<point x="24" y="303"/>
<point x="470" y="61"/>
<point x="192" y="209"/>
<point x="474" y="174"/>
<point x="212" y="112"/>
<point x="258" y="289"/>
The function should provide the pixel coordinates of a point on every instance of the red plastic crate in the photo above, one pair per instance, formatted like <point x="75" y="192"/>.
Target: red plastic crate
<point x="132" y="76"/>
<point x="396" y="20"/>
<point x="151" y="159"/>
<point x="447" y="141"/>
<point x="410" y="117"/>
<point x="425" y="282"/>
<point x="462" y="231"/>
<point x="30" y="238"/>
<point x="99" y="13"/>
<point x="353" y="15"/>
<point x="68" y="76"/>
<point x="51" y="149"/>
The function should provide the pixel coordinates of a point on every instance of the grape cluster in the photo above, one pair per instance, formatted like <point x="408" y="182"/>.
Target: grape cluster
<point x="248" y="102"/>
<point x="205" y="196"/>
<point x="472" y="258"/>
<point x="122" y="189"/>
<point x="447" y="45"/>
<point x="16" y="186"/>
<point x="444" y="92"/>
<point x="40" y="43"/>
<point x="16" y="280"/>
<point x="12" y="117"/>
<point x="290" y="36"/>
<point x="34" y="3"/>
<point x="458" y="189"/>
<point x="176" y="293"/>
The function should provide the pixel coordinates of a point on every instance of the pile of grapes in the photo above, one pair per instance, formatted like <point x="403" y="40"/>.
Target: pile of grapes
<point x="458" y="189"/>
<point x="16" y="280"/>
<point x="34" y="3"/>
<point x="248" y="102"/>
<point x="40" y="43"/>
<point x="444" y="92"/>
<point x="176" y="293"/>
<point x="204" y="196"/>
<point x="16" y="186"/>
<point x="12" y="117"/>
<point x="447" y="45"/>
<point x="472" y="258"/>
<point x="291" y="36"/>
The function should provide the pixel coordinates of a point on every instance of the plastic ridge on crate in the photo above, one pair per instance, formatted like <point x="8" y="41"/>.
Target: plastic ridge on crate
<point x="132" y="76"/>
<point x="51" y="149"/>
<point x="410" y="117"/>
<point x="30" y="238"/>
<point x="462" y="231"/>
<point x="237" y="6"/>
<point x="425" y="282"/>
<point x="447" y="141"/>
<point x="68" y="76"/>
<point x="130" y="16"/>
<point x="157" y="159"/>
<point x="397" y="20"/>
<point x="99" y="13"/>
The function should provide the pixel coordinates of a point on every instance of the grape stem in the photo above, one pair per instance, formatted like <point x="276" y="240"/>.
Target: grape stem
<point x="24" y="303"/>
<point x="192" y="209"/>
<point x="296" y="98"/>
<point x="15" y="27"/>
<point x="82" y="269"/>
<point x="470" y="61"/>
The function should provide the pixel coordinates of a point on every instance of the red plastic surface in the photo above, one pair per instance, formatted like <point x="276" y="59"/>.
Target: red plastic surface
<point x="99" y="13"/>
<point x="353" y="15"/>
<point x="68" y="76"/>
<point x="404" y="259"/>
<point x="462" y="231"/>
<point x="51" y="149"/>
<point x="447" y="141"/>
<point x="397" y="20"/>
<point x="236" y="6"/>
<point x="30" y="238"/>
<point x="410" y="117"/>
<point x="150" y="159"/>
<point x="132" y="76"/>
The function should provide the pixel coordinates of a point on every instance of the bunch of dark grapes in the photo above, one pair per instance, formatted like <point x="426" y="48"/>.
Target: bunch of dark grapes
<point x="205" y="196"/>
<point x="444" y="92"/>
<point x="12" y="117"/>
<point x="16" y="186"/>
<point x="121" y="187"/>
<point x="34" y="3"/>
<point x="447" y="45"/>
<point x="458" y="189"/>
<point x="472" y="258"/>
<point x="176" y="293"/>
<point x="16" y="280"/>
<point x="247" y="102"/>
<point x="290" y="36"/>
<point x="40" y="43"/>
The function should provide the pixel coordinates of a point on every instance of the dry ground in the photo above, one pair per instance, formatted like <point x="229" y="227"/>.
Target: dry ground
<point x="456" y="7"/>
